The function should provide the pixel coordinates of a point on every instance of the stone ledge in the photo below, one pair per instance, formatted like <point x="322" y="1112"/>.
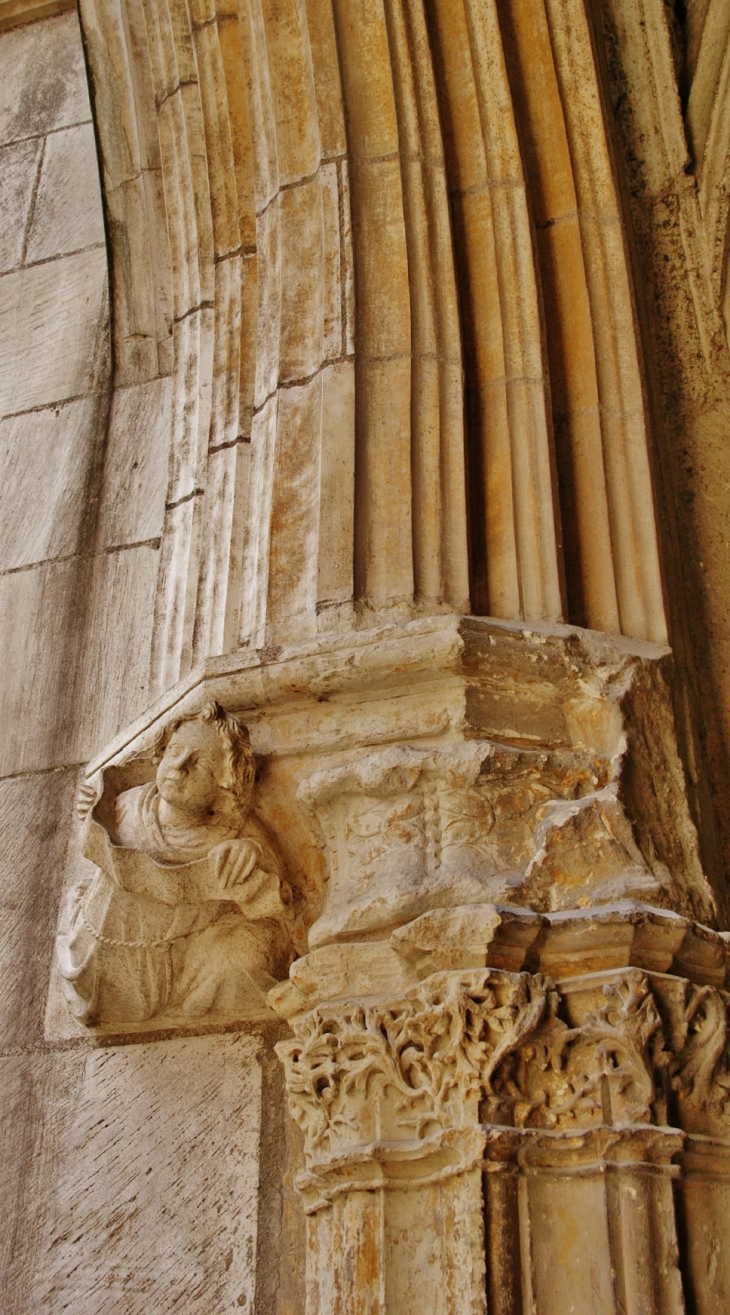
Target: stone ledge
<point x="528" y="666"/>
<point x="562" y="945"/>
<point x="13" y="13"/>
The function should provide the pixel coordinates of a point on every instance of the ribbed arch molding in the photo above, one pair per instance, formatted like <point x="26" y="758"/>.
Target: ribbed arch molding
<point x="708" y="121"/>
<point x="380" y="247"/>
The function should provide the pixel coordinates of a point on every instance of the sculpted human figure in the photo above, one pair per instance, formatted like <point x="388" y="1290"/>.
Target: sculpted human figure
<point x="185" y="913"/>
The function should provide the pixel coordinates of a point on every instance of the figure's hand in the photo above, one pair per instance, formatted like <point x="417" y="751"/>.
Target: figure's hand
<point x="86" y="798"/>
<point x="235" y="860"/>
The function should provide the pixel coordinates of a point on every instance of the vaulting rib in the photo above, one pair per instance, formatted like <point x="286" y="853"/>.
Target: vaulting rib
<point x="362" y="415"/>
<point x="515" y="558"/>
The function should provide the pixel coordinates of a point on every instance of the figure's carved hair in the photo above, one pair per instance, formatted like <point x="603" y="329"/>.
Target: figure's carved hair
<point x="241" y="762"/>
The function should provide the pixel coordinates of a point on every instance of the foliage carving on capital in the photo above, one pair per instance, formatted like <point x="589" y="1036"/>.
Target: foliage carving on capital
<point x="625" y="1049"/>
<point x="363" y="1073"/>
<point x="600" y="1070"/>
<point x="700" y="1064"/>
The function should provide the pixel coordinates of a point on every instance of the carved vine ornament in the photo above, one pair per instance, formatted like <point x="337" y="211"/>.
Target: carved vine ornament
<point x="511" y="1049"/>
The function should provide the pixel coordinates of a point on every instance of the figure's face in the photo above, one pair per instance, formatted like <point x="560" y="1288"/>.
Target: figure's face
<point x="192" y="767"/>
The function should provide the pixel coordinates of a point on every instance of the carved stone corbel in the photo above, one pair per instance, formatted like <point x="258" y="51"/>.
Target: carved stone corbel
<point x="183" y="915"/>
<point x="491" y="1017"/>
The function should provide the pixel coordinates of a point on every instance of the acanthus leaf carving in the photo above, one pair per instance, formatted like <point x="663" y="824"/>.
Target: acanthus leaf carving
<point x="513" y="1050"/>
<point x="362" y="1073"/>
<point x="599" y="1070"/>
<point x="700" y="1064"/>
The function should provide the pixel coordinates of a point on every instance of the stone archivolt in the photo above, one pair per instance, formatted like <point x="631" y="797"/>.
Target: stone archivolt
<point x="354" y="288"/>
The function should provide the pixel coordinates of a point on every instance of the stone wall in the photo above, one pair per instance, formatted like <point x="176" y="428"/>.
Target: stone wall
<point x="96" y="1144"/>
<point x="363" y="392"/>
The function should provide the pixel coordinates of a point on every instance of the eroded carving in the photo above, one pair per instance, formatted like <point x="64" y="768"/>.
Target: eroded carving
<point x="620" y="1050"/>
<point x="358" y="1074"/>
<point x="598" y="1071"/>
<point x="185" y="914"/>
<point x="697" y="1022"/>
<point x="407" y="830"/>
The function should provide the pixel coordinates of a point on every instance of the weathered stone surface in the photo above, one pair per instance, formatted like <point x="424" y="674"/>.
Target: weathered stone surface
<point x="104" y="1155"/>
<point x="43" y="84"/>
<point x="33" y="842"/>
<point x="202" y="1163"/>
<point x="501" y="1063"/>
<point x="69" y="170"/>
<point x="132" y="501"/>
<point x="705" y="1196"/>
<point x="18" y="172"/>
<point x="35" y="672"/>
<point x="69" y="670"/>
<point x="672" y="163"/>
<point x="37" y="1091"/>
<point x="52" y="313"/>
<point x="543" y="826"/>
<point x="408" y="830"/>
<point x="15" y="12"/>
<point x="122" y="599"/>
<point x="46" y="464"/>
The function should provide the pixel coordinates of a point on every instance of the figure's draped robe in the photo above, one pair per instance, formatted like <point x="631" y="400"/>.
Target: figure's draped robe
<point x="141" y="937"/>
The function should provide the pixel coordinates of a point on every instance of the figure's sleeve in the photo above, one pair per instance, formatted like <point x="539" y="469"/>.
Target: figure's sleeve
<point x="180" y="883"/>
<point x="131" y="869"/>
<point x="259" y="896"/>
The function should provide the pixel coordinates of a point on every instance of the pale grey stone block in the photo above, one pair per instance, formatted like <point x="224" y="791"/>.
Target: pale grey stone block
<point x="50" y="329"/>
<point x="38" y="1091"/>
<point x="18" y="169"/>
<point x="41" y="617"/>
<point x="35" y="819"/>
<point x="95" y="681"/>
<point x="130" y="1178"/>
<point x="45" y="461"/>
<point x="42" y="78"/>
<point x="155" y="1200"/>
<point x="67" y="215"/>
<point x="75" y="639"/>
<point x="136" y="464"/>
<point x="113" y="682"/>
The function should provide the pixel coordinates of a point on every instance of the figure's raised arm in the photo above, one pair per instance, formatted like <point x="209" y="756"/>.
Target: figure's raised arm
<point x="88" y="794"/>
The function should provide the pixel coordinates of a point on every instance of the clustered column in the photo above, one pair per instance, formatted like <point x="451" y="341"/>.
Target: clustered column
<point x="492" y="1141"/>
